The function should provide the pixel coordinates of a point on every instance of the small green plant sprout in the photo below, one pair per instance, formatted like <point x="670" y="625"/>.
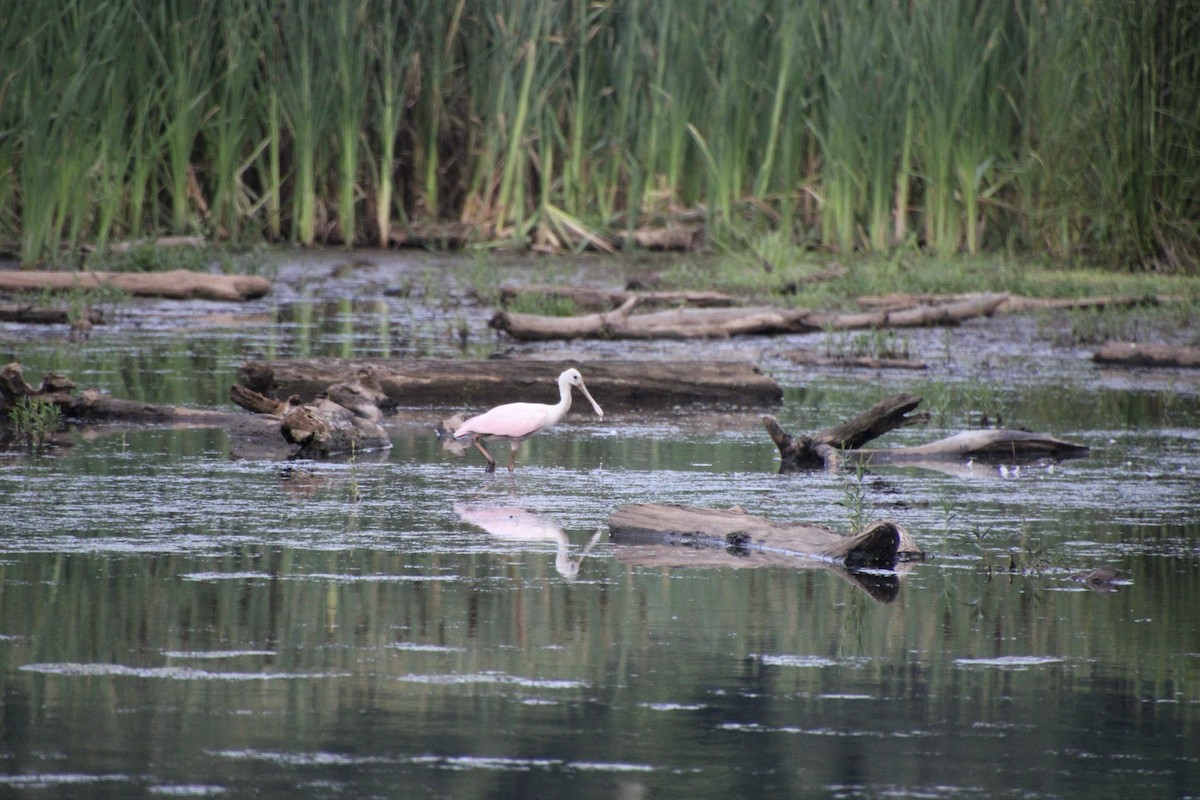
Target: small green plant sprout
<point x="854" y="497"/>
<point x="34" y="419"/>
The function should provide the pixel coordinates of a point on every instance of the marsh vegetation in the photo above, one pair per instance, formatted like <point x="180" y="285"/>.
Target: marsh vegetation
<point x="1054" y="127"/>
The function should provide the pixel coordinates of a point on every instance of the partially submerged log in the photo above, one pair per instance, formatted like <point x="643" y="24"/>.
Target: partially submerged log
<point x="828" y="448"/>
<point x="617" y="385"/>
<point x="179" y="284"/>
<point x="1131" y="354"/>
<point x="657" y="535"/>
<point x="690" y="323"/>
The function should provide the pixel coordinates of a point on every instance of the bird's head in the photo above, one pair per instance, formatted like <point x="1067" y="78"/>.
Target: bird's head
<point x="572" y="377"/>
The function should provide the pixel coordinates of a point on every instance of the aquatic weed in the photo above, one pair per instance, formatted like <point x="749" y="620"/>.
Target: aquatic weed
<point x="34" y="419"/>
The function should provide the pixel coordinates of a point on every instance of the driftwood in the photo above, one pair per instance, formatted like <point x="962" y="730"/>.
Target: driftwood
<point x="828" y="448"/>
<point x="1131" y="354"/>
<point x="618" y="385"/>
<point x="656" y="535"/>
<point x="586" y="297"/>
<point x="687" y="323"/>
<point x="180" y="284"/>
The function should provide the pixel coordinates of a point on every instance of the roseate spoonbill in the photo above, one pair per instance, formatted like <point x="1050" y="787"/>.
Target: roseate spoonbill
<point x="516" y="422"/>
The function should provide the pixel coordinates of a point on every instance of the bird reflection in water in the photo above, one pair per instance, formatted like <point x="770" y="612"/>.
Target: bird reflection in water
<point x="519" y="525"/>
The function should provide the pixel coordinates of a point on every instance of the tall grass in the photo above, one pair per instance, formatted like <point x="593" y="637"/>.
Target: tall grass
<point x="1043" y="125"/>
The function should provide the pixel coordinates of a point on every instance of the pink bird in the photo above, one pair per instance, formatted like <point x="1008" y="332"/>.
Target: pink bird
<point x="516" y="422"/>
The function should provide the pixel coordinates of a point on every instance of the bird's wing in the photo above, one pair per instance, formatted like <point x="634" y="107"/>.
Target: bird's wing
<point x="511" y="420"/>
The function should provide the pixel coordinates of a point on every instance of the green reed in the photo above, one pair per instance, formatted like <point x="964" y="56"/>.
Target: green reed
<point x="1044" y="125"/>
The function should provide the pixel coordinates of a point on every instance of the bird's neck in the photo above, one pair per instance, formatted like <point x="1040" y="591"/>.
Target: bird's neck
<point x="564" y="401"/>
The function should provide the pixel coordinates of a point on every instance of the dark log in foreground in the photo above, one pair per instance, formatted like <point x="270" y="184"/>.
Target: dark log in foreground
<point x="456" y="385"/>
<point x="656" y="535"/>
<point x="180" y="284"/>
<point x="1131" y="354"/>
<point x="828" y="448"/>
<point x="692" y="323"/>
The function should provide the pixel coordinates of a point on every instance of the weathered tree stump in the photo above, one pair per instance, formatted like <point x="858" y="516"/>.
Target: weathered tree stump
<point x="828" y="448"/>
<point x="180" y="284"/>
<point x="1131" y="354"/>
<point x="324" y="426"/>
<point x="456" y="385"/>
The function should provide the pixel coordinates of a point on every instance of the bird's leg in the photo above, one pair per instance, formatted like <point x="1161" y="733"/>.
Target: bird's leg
<point x="512" y="459"/>
<point x="491" y="465"/>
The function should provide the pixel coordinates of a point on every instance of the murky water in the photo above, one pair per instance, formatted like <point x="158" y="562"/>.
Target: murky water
<point x="178" y="621"/>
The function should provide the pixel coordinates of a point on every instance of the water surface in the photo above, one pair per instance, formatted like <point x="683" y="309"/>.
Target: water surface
<point x="179" y="621"/>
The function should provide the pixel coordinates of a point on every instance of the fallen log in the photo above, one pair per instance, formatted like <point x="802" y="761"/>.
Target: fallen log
<point x="1131" y="354"/>
<point x="180" y="284"/>
<point x="657" y="535"/>
<point x="617" y="385"/>
<point x="689" y="323"/>
<point x="830" y="447"/>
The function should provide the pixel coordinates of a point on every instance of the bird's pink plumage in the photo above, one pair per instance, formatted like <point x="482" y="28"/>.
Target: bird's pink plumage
<point x="514" y="421"/>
